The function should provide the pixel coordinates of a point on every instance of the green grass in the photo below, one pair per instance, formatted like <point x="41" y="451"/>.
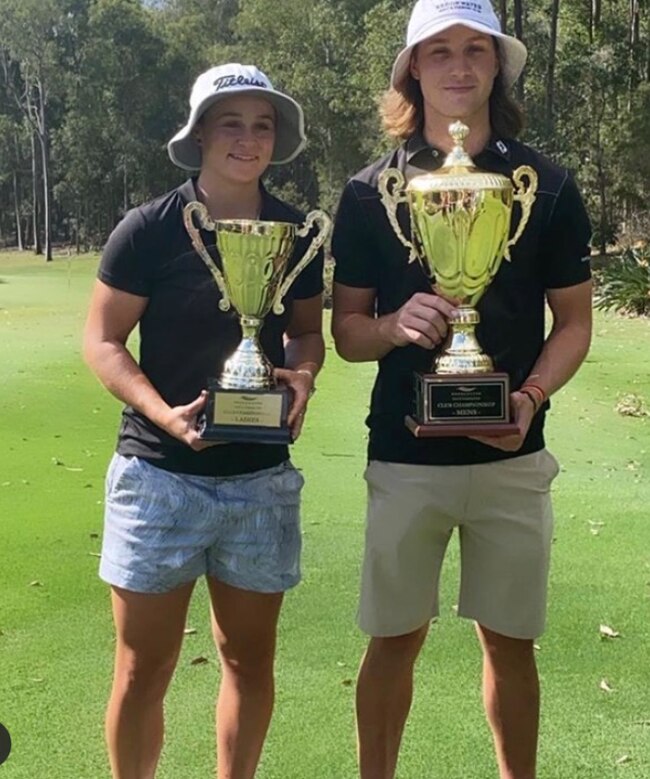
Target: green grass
<point x="58" y="430"/>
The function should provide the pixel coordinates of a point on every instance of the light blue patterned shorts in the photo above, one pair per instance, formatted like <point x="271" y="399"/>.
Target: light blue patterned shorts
<point x="163" y="529"/>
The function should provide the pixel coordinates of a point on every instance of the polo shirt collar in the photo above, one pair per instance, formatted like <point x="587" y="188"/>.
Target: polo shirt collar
<point x="187" y="191"/>
<point x="417" y="144"/>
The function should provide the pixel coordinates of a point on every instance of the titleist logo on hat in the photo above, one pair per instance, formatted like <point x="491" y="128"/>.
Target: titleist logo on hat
<point x="225" y="82"/>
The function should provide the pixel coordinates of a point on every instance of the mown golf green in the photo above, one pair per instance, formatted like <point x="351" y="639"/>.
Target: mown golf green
<point x="58" y="429"/>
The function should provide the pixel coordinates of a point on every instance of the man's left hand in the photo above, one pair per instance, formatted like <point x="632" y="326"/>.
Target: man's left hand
<point x="523" y="412"/>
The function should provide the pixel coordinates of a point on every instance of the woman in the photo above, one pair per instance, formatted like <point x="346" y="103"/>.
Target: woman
<point x="177" y="507"/>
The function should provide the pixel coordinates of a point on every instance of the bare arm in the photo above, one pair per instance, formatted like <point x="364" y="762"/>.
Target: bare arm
<point x="304" y="355"/>
<point x="111" y="317"/>
<point x="564" y="351"/>
<point x="360" y="336"/>
<point x="568" y="342"/>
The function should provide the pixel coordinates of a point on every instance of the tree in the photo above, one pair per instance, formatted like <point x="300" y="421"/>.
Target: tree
<point x="28" y="53"/>
<point x="550" y="71"/>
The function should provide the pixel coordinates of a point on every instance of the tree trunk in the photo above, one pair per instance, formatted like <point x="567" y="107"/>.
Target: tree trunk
<point x="602" y="191"/>
<point x="17" y="194"/>
<point x="634" y="39"/>
<point x="503" y="13"/>
<point x="38" y="249"/>
<point x="125" y="189"/>
<point x="550" y="71"/>
<point x="19" y="232"/>
<point x="601" y="178"/>
<point x="519" y="33"/>
<point x="596" y="13"/>
<point x="77" y="222"/>
<point x="45" y="156"/>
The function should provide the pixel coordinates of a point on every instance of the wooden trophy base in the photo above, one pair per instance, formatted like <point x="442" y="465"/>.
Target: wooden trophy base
<point x="247" y="416"/>
<point x="461" y="404"/>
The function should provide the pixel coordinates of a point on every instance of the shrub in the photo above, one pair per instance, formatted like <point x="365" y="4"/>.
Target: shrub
<point x="623" y="283"/>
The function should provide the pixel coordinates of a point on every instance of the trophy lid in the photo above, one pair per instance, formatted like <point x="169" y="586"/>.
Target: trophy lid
<point x="458" y="172"/>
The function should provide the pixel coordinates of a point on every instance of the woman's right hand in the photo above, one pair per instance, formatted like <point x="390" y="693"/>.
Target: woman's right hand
<point x="422" y="320"/>
<point x="182" y="422"/>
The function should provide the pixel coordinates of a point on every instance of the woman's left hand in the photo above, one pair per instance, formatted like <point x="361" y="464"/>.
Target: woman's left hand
<point x="523" y="412"/>
<point x="302" y="383"/>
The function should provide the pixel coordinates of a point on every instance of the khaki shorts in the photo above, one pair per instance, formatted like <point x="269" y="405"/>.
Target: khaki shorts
<point x="505" y="523"/>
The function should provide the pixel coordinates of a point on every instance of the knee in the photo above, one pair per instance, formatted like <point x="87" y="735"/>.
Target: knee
<point x="507" y="654"/>
<point x="396" y="651"/>
<point x="252" y="663"/>
<point x="141" y="676"/>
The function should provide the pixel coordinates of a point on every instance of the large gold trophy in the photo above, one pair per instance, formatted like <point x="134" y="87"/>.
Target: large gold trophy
<point x="244" y="402"/>
<point x="460" y="223"/>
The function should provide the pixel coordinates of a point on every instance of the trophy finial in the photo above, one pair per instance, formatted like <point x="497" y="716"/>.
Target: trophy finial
<point x="458" y="132"/>
<point x="458" y="157"/>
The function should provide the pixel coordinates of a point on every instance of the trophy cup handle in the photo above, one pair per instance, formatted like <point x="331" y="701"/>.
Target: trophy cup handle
<point x="324" y="223"/>
<point x="391" y="197"/>
<point x="525" y="197"/>
<point x="207" y="224"/>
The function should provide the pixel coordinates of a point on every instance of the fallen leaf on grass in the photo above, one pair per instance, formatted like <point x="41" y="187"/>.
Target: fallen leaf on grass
<point x="199" y="661"/>
<point x="623" y="759"/>
<point x="94" y="554"/>
<point x="605" y="686"/>
<point x="632" y="405"/>
<point x="189" y="631"/>
<point x="36" y="583"/>
<point x="607" y="632"/>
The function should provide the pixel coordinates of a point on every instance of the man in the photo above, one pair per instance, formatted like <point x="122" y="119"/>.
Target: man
<point x="457" y="64"/>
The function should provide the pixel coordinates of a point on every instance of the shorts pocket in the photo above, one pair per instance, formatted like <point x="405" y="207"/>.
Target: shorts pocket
<point x="287" y="482"/>
<point x="123" y="474"/>
<point x="550" y="464"/>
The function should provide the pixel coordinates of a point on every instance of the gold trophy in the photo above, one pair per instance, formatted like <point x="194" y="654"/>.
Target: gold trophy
<point x="460" y="223"/>
<point x="244" y="402"/>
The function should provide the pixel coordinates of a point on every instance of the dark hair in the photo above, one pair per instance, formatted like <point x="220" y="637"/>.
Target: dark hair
<point x="402" y="110"/>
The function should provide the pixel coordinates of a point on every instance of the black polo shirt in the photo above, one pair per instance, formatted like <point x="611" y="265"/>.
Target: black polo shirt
<point x="184" y="337"/>
<point x="553" y="252"/>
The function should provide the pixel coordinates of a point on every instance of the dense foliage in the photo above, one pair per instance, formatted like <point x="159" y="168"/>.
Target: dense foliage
<point x="91" y="90"/>
<point x="624" y="282"/>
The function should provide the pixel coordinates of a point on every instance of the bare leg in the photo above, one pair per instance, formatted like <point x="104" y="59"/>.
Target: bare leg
<point x="511" y="697"/>
<point x="149" y="635"/>
<point x="384" y="694"/>
<point x="244" y="625"/>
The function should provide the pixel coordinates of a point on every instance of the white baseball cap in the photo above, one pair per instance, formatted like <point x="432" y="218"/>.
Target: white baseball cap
<point x="430" y="17"/>
<point x="225" y="81"/>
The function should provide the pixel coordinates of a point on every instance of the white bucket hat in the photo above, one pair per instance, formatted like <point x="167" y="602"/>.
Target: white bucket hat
<point x="234" y="79"/>
<point x="430" y="17"/>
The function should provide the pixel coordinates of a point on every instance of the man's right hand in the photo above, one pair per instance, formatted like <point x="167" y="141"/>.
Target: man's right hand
<point x="422" y="320"/>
